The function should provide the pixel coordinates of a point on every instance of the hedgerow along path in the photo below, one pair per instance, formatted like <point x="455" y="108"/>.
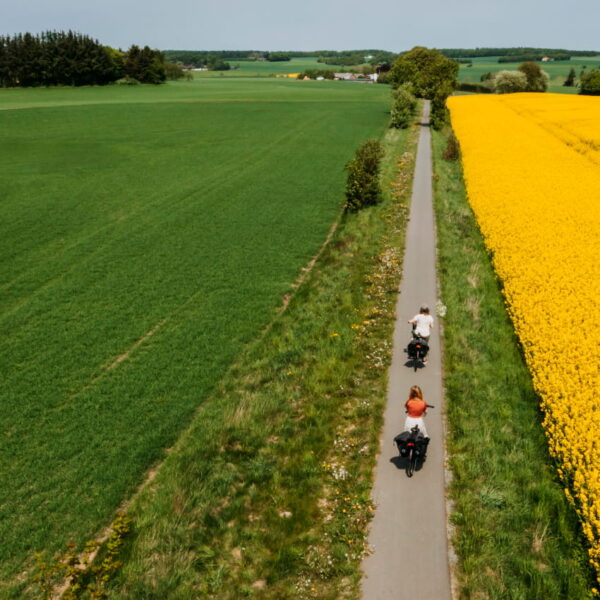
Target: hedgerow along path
<point x="408" y="534"/>
<point x="160" y="226"/>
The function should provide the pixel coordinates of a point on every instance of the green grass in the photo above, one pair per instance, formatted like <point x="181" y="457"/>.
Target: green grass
<point x="557" y="71"/>
<point x="147" y="235"/>
<point x="198" y="91"/>
<point x="515" y="534"/>
<point x="248" y="503"/>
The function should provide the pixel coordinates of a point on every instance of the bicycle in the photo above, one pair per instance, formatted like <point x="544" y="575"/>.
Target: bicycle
<point x="412" y="446"/>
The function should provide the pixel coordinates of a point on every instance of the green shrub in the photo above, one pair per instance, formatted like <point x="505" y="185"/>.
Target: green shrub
<point x="403" y="108"/>
<point x="508" y="82"/>
<point x="590" y="83"/>
<point x="439" y="113"/>
<point x="173" y="71"/>
<point x="362" y="187"/>
<point x="127" y="81"/>
<point x="314" y="73"/>
<point x="477" y="88"/>
<point x="537" y="80"/>
<point x="384" y="77"/>
<point x="452" y="151"/>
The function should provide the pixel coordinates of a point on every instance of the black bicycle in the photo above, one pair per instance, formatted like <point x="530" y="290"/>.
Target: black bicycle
<point x="417" y="350"/>
<point x="412" y="446"/>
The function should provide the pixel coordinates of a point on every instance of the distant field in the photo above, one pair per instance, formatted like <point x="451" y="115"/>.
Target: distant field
<point x="264" y="68"/>
<point x="147" y="234"/>
<point x="557" y="71"/>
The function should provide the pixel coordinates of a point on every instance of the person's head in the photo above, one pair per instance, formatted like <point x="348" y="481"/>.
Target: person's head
<point x="415" y="392"/>
<point x="424" y="310"/>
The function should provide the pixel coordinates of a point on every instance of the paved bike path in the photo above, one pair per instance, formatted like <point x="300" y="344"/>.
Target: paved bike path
<point x="408" y="532"/>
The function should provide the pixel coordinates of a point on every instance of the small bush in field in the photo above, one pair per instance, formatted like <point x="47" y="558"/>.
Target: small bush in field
<point x="362" y="187"/>
<point x="452" y="151"/>
<point x="509" y="82"/>
<point x="590" y="83"/>
<point x="403" y="108"/>
<point x="537" y="80"/>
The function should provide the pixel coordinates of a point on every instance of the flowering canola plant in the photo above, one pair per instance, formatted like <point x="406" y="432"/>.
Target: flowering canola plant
<point x="531" y="165"/>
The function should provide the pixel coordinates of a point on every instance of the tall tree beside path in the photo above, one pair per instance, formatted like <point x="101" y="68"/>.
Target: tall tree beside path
<point x="403" y="107"/>
<point x="430" y="75"/>
<point x="426" y="70"/>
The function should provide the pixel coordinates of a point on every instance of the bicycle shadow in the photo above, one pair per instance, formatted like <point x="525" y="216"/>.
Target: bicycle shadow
<point x="411" y="363"/>
<point x="400" y="462"/>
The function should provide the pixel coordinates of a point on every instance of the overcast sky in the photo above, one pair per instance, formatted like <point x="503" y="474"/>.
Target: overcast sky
<point x="314" y="24"/>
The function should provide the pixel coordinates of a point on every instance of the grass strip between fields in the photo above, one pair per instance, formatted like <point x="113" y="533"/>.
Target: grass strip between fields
<point x="267" y="495"/>
<point x="514" y="532"/>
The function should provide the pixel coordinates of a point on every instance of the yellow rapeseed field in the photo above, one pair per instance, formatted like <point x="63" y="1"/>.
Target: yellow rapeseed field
<point x="532" y="169"/>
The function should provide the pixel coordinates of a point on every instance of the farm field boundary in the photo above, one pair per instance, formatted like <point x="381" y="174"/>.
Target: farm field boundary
<point x="514" y="532"/>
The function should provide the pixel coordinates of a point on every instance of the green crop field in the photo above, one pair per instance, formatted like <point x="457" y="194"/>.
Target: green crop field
<point x="557" y="71"/>
<point x="265" y="68"/>
<point x="148" y="233"/>
<point x="294" y="65"/>
<point x="255" y="68"/>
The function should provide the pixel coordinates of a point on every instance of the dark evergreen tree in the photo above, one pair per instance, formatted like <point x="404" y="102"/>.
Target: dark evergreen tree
<point x="59" y="58"/>
<point x="145" y="65"/>
<point x="570" y="80"/>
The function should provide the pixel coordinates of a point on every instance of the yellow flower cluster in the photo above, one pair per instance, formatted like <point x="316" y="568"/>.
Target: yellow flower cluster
<point x="531" y="165"/>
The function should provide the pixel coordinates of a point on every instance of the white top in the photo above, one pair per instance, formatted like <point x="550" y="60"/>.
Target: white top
<point x="424" y="324"/>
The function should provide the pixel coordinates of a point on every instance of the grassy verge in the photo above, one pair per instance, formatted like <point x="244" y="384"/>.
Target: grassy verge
<point x="514" y="532"/>
<point x="267" y="495"/>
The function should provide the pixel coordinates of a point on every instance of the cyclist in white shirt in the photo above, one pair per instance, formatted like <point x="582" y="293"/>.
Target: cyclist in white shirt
<point x="423" y="323"/>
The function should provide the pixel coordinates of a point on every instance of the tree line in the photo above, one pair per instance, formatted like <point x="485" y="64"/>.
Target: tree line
<point x="516" y="51"/>
<point x="203" y="58"/>
<point x="70" y="58"/>
<point x="533" y="57"/>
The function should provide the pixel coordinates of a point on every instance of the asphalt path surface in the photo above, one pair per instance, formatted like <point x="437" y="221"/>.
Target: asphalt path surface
<point x="408" y="533"/>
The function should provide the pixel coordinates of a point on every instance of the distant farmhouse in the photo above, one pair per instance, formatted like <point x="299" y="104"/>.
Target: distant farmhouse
<point x="355" y="77"/>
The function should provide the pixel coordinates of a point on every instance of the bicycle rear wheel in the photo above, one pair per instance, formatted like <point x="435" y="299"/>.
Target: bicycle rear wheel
<point x="410" y="462"/>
